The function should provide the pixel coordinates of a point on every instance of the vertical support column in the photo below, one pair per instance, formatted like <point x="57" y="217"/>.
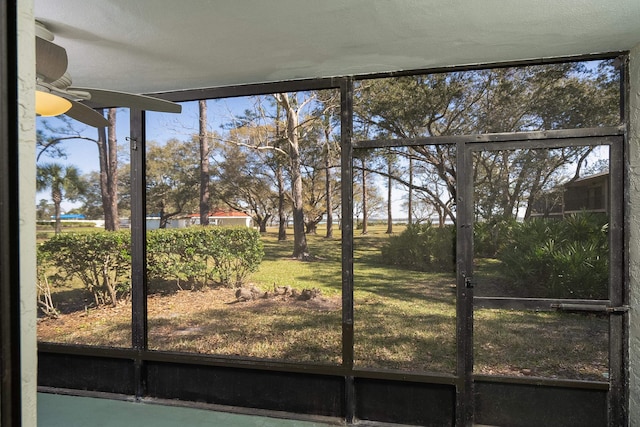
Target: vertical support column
<point x="138" y="247"/>
<point x="464" y="301"/>
<point x="617" y="321"/>
<point x="346" y="133"/>
<point x="618" y="402"/>
<point x="633" y="233"/>
<point x="10" y="332"/>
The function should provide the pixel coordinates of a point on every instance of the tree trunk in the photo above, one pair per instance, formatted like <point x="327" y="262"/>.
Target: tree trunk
<point x="505" y="200"/>
<point x="389" y="207"/>
<point x="108" y="156"/>
<point x="410" y="201"/>
<point x="204" y="164"/>
<point x="263" y="225"/>
<point x="328" y="188"/>
<point x="533" y="193"/>
<point x="109" y="286"/>
<point x="312" y="226"/>
<point x="104" y="193"/>
<point x="282" y="218"/>
<point x="364" y="198"/>
<point x="56" y="197"/>
<point x="300" y="248"/>
<point x="262" y="222"/>
<point x="164" y="218"/>
<point x="112" y="187"/>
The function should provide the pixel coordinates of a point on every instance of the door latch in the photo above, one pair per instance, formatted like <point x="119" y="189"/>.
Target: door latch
<point x="469" y="283"/>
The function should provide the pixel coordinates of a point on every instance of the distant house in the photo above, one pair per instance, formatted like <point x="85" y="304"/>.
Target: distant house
<point x="225" y="218"/>
<point x="588" y="194"/>
<point x="153" y="222"/>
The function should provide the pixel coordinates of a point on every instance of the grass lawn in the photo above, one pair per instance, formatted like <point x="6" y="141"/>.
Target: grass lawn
<point x="46" y="231"/>
<point x="404" y="319"/>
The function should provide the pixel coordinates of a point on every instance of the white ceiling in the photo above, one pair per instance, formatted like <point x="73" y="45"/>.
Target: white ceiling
<point x="148" y="46"/>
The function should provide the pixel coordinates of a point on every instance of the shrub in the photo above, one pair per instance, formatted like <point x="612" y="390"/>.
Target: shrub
<point x="236" y="252"/>
<point x="43" y="289"/>
<point x="422" y="247"/>
<point x="490" y="237"/>
<point x="566" y="258"/>
<point x="200" y="255"/>
<point x="171" y="256"/>
<point x="100" y="260"/>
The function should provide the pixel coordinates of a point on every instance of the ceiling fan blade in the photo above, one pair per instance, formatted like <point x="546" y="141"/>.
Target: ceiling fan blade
<point x="51" y="60"/>
<point x="86" y="115"/>
<point x="101" y="98"/>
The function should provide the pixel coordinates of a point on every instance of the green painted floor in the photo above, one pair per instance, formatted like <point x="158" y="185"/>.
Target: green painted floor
<point x="56" y="410"/>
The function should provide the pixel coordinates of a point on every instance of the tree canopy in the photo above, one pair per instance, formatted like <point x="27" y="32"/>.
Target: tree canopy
<point x="278" y="160"/>
<point x="517" y="99"/>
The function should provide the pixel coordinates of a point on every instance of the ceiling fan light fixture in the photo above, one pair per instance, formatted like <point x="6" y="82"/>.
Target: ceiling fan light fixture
<point x="48" y="104"/>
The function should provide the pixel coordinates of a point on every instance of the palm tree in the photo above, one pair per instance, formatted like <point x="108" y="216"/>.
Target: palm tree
<point x="63" y="181"/>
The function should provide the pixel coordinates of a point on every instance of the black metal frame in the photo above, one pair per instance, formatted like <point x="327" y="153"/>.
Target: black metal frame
<point x="342" y="391"/>
<point x="10" y="387"/>
<point x="600" y="407"/>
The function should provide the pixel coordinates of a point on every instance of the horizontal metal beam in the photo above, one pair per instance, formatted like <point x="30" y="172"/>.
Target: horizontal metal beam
<point x="493" y="65"/>
<point x="249" y="90"/>
<point x="537" y="304"/>
<point x="539" y="381"/>
<point x="190" y="359"/>
<point x="599" y="134"/>
<point x="397" y="375"/>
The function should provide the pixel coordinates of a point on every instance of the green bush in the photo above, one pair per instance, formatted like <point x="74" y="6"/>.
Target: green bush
<point x="236" y="252"/>
<point x="201" y="255"/>
<point x="490" y="237"/>
<point x="170" y="257"/>
<point x="100" y="260"/>
<point x="422" y="247"/>
<point x="566" y="258"/>
<point x="198" y="256"/>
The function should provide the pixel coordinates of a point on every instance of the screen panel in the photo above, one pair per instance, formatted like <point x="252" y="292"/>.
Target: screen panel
<point x="404" y="259"/>
<point x="243" y="238"/>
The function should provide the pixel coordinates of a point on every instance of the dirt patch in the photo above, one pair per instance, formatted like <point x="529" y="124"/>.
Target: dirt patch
<point x="318" y="303"/>
<point x="111" y="325"/>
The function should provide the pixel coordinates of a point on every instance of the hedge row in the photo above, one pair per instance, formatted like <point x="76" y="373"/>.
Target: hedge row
<point x="197" y="256"/>
<point x="200" y="256"/>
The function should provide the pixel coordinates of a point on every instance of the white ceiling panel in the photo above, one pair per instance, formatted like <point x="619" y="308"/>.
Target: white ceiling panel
<point x="148" y="46"/>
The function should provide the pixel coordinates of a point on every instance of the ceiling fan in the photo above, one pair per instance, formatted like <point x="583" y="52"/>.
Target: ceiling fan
<point x="55" y="95"/>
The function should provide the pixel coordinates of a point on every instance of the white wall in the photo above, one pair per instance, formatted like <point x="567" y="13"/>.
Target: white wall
<point x="27" y="169"/>
<point x="233" y="221"/>
<point x="634" y="238"/>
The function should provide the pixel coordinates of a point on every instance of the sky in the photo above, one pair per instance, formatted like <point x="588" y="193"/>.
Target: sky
<point x="160" y="127"/>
